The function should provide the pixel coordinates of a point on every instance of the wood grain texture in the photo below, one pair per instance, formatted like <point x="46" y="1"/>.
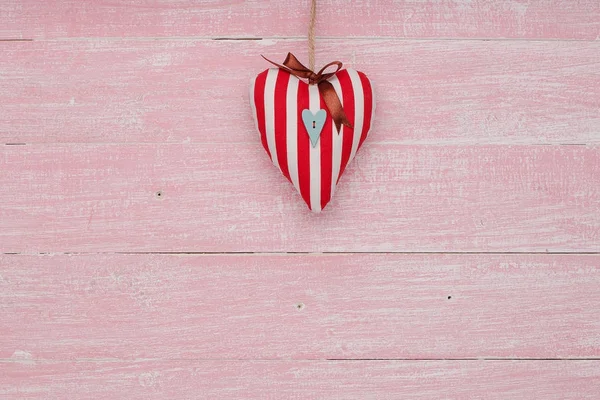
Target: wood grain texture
<point x="230" y="198"/>
<point x="556" y="380"/>
<point x="136" y="137"/>
<point x="182" y="91"/>
<point x="517" y="19"/>
<point x="349" y="306"/>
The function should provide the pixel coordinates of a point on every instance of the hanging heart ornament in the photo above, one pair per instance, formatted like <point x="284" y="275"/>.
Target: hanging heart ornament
<point x="312" y="130"/>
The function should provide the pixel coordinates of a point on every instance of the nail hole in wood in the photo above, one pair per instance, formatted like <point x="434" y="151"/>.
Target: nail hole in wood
<point x="300" y="306"/>
<point x="449" y="297"/>
<point x="159" y="194"/>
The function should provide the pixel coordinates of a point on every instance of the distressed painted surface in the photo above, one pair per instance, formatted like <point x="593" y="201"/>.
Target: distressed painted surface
<point x="450" y="379"/>
<point x="518" y="19"/>
<point x="350" y="306"/>
<point x="196" y="91"/>
<point x="230" y="198"/>
<point x="135" y="136"/>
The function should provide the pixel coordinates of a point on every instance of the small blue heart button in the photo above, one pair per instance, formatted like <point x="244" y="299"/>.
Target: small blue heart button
<point x="314" y="124"/>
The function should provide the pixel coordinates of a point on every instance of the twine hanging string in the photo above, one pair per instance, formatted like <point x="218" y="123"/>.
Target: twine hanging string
<point x="326" y="90"/>
<point x="311" y="35"/>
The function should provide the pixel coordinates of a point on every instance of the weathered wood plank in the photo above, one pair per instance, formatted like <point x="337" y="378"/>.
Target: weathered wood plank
<point x="180" y="91"/>
<point x="229" y="197"/>
<point x="353" y="306"/>
<point x="549" y="380"/>
<point x="549" y="19"/>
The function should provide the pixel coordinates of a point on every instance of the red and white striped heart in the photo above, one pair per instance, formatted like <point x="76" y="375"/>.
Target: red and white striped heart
<point x="310" y="153"/>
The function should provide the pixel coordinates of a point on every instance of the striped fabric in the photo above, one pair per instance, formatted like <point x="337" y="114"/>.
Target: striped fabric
<point x="278" y="99"/>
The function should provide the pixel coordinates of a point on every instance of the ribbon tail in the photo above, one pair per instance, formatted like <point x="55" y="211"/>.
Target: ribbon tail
<point x="292" y="62"/>
<point x="277" y="65"/>
<point x="332" y="101"/>
<point x="293" y="66"/>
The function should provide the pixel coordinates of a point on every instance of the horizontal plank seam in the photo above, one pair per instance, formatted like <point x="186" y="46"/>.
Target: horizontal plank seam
<point x="287" y="253"/>
<point x="118" y="360"/>
<point x="471" y="359"/>
<point x="344" y="38"/>
<point x="438" y="143"/>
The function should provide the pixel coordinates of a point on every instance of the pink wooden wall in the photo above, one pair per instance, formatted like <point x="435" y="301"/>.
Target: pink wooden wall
<point x="459" y="259"/>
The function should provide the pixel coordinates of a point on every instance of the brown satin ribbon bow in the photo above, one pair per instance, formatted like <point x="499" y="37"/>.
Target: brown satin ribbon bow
<point x="330" y="97"/>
